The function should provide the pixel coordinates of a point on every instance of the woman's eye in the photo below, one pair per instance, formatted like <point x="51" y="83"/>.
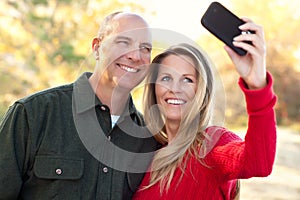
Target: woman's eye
<point x="188" y="80"/>
<point x="165" y="78"/>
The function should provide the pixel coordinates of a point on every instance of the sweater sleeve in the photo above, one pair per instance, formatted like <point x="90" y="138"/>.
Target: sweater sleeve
<point x="253" y="157"/>
<point x="260" y="140"/>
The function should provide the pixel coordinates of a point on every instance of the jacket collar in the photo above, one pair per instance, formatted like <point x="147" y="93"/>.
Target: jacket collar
<point x="85" y="99"/>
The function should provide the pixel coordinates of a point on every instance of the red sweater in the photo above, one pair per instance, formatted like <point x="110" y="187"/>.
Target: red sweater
<point x="230" y="158"/>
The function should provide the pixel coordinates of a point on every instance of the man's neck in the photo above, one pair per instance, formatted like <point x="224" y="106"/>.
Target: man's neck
<point x="115" y="98"/>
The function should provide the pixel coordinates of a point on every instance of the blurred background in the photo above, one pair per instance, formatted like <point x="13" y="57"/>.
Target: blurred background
<point x="45" y="43"/>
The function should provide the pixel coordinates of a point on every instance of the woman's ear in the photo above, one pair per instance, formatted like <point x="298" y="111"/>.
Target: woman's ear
<point x="95" y="47"/>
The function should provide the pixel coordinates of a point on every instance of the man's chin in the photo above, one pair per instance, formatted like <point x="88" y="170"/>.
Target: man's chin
<point x="125" y="87"/>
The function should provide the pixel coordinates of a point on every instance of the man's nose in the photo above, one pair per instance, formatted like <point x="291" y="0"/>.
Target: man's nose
<point x="134" y="55"/>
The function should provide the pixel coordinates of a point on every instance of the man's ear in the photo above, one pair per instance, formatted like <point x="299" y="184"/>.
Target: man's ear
<point x="95" y="47"/>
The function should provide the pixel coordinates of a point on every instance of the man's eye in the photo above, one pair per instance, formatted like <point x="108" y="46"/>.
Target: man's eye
<point x="145" y="49"/>
<point x="123" y="42"/>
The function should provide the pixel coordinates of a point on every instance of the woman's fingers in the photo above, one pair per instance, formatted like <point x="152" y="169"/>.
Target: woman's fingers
<point x="252" y="38"/>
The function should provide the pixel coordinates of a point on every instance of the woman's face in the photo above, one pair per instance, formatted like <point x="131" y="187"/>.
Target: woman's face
<point x="176" y="85"/>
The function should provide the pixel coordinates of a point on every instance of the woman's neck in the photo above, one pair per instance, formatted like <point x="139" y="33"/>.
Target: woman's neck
<point x="172" y="128"/>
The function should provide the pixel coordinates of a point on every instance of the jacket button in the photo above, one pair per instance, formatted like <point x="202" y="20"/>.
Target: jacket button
<point x="105" y="169"/>
<point x="58" y="171"/>
<point x="103" y="108"/>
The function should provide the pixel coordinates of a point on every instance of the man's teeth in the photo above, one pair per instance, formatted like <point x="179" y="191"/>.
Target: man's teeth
<point x="129" y="69"/>
<point x="175" y="101"/>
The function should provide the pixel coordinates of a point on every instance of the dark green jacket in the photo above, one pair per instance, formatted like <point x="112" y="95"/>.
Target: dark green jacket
<point x="59" y="144"/>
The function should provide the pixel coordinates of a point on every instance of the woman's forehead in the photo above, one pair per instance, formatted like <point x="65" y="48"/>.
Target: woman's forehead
<point x="178" y="63"/>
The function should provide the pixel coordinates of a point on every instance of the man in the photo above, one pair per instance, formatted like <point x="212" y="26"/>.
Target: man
<point x="81" y="141"/>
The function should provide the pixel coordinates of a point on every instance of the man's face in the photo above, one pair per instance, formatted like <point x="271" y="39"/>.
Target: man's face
<point x="125" y="53"/>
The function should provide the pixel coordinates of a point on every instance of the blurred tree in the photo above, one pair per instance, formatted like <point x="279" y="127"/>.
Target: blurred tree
<point x="280" y="21"/>
<point x="44" y="43"/>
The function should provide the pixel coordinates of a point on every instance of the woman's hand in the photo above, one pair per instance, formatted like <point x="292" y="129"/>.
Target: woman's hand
<point x="252" y="66"/>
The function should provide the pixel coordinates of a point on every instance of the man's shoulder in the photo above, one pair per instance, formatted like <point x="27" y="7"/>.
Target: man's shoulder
<point x="49" y="94"/>
<point x="58" y="92"/>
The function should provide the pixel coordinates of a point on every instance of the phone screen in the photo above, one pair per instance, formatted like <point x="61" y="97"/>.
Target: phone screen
<point x="223" y="24"/>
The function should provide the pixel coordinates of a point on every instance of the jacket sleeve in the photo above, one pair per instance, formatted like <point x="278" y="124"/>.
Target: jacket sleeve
<point x="13" y="141"/>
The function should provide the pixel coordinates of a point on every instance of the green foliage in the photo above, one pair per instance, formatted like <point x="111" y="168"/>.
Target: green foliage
<point x="67" y="54"/>
<point x="40" y="2"/>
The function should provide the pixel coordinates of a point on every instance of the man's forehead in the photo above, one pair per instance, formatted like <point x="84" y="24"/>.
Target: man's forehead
<point x="140" y="34"/>
<point x="124" y="23"/>
<point x="129" y="18"/>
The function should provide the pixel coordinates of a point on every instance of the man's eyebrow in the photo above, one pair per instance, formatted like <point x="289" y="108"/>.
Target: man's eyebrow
<point x="123" y="38"/>
<point x="147" y="44"/>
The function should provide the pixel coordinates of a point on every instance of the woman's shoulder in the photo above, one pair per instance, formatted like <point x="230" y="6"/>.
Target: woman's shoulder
<point x="218" y="135"/>
<point x="215" y="136"/>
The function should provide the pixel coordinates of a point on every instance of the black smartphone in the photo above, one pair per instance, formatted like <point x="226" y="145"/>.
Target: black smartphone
<point x="223" y="24"/>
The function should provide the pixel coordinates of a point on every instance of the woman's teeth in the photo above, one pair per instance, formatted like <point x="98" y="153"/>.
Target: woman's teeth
<point x="175" y="101"/>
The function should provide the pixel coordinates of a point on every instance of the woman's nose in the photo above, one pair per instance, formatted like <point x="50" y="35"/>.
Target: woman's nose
<point x="175" y="86"/>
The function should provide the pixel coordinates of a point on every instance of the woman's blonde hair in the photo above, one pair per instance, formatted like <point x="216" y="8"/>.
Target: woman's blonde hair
<point x="191" y="130"/>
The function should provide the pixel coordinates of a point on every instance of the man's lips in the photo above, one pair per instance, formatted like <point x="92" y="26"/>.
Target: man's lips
<point x="128" y="69"/>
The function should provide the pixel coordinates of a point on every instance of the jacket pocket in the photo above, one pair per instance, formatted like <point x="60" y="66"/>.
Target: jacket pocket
<point x="58" y="177"/>
<point x="55" y="167"/>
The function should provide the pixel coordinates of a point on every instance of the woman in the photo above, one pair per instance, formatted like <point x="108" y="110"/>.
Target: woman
<point x="199" y="161"/>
